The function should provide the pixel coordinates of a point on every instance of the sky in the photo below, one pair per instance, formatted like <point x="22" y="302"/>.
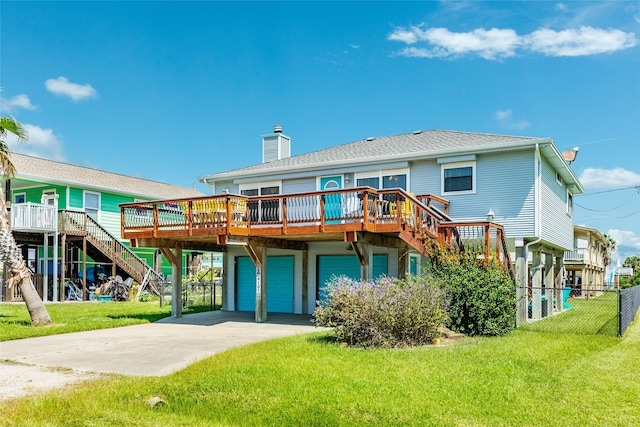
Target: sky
<point x="170" y="91"/>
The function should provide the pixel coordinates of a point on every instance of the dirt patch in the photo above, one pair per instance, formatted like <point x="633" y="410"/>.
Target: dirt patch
<point x="19" y="380"/>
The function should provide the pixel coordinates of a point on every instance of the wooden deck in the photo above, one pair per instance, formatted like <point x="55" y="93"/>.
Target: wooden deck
<point x="293" y="220"/>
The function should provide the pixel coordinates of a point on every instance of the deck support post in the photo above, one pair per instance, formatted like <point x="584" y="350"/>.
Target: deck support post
<point x="305" y="283"/>
<point x="536" y="285"/>
<point x="261" y="286"/>
<point x="175" y="258"/>
<point x="549" y="281"/>
<point x="559" y="280"/>
<point x="63" y="261"/>
<point x="521" y="284"/>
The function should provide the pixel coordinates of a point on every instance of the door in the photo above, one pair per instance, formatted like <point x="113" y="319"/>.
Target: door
<point x="332" y="202"/>
<point x="279" y="284"/>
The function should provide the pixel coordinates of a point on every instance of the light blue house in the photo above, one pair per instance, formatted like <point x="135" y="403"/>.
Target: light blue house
<point x="456" y="179"/>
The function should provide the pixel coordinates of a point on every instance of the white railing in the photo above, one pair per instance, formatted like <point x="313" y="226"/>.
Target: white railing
<point x="34" y="217"/>
<point x="585" y="256"/>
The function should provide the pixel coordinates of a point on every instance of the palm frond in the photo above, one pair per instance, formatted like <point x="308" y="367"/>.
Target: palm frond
<point x="11" y="125"/>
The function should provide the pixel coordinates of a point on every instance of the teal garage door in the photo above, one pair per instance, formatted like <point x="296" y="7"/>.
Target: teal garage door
<point x="279" y="284"/>
<point x="345" y="265"/>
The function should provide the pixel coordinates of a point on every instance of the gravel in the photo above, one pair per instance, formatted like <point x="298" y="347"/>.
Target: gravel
<point x="19" y="380"/>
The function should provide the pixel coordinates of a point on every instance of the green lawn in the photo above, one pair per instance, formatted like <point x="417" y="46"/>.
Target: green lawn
<point x="527" y="378"/>
<point x="596" y="315"/>
<point x="15" y="322"/>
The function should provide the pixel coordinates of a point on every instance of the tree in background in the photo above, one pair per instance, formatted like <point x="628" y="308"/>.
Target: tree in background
<point x="628" y="281"/>
<point x="10" y="255"/>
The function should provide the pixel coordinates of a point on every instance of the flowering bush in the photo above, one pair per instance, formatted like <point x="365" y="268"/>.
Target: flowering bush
<point x="482" y="295"/>
<point x="387" y="312"/>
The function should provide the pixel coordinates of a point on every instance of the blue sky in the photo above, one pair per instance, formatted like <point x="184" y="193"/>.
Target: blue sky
<point x="170" y="91"/>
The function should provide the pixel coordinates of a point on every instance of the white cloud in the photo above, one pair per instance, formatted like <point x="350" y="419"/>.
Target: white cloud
<point x="581" y="42"/>
<point x="503" y="43"/>
<point x="18" y="101"/>
<point x="488" y="44"/>
<point x="625" y="238"/>
<point x="42" y="143"/>
<point x="609" y="178"/>
<point x="561" y="6"/>
<point x="62" y="86"/>
<point x="505" y="117"/>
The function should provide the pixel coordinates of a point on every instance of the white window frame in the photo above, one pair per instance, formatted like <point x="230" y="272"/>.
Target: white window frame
<point x="84" y="202"/>
<point x="569" y="203"/>
<point x="558" y="178"/>
<point x="457" y="165"/>
<point x="51" y="194"/>
<point x="15" y="196"/>
<point x="259" y="185"/>
<point x="380" y="174"/>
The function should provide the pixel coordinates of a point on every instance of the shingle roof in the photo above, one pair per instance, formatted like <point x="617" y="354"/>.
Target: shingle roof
<point x="409" y="145"/>
<point x="28" y="167"/>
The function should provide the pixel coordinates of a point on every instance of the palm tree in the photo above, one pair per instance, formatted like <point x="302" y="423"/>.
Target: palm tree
<point x="10" y="255"/>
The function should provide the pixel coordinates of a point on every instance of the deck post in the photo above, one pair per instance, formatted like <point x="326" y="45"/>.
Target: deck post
<point x="549" y="281"/>
<point x="536" y="285"/>
<point x="261" y="287"/>
<point x="175" y="258"/>
<point x="521" y="283"/>
<point x="559" y="281"/>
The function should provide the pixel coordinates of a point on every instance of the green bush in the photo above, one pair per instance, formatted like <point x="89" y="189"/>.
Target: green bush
<point x="482" y="295"/>
<point x="387" y="313"/>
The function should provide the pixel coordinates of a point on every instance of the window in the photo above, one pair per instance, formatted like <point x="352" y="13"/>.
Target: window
<point x="558" y="178"/>
<point x="263" y="210"/>
<point x="92" y="204"/>
<point x="458" y="178"/>
<point x="390" y="179"/>
<point x="373" y="182"/>
<point x="49" y="197"/>
<point x="569" y="203"/>
<point x="395" y="181"/>
<point x="19" y="198"/>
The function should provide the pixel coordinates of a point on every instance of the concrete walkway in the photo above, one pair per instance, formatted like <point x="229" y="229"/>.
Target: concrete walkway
<point x="158" y="348"/>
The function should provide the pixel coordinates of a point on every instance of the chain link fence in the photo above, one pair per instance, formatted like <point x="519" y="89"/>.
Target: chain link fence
<point x="562" y="310"/>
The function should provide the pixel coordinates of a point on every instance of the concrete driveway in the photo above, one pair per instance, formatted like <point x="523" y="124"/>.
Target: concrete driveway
<point x="158" y="348"/>
<point x="152" y="349"/>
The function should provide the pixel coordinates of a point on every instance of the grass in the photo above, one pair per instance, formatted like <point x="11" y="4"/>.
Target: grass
<point x="596" y="315"/>
<point x="15" y="322"/>
<point x="526" y="378"/>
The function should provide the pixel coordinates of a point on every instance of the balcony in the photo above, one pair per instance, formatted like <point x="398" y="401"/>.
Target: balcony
<point x="335" y="215"/>
<point x="34" y="218"/>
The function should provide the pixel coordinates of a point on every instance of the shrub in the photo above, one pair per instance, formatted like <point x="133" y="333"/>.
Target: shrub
<point x="387" y="312"/>
<point x="482" y="295"/>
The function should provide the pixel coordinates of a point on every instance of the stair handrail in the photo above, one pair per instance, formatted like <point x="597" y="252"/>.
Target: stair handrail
<point x="98" y="234"/>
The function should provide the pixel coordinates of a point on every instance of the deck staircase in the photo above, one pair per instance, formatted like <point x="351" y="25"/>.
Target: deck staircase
<point x="105" y="247"/>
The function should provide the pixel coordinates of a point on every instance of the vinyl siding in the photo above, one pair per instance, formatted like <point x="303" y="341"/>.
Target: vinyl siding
<point x="111" y="222"/>
<point x="305" y="185"/>
<point x="556" y="223"/>
<point x="76" y="200"/>
<point x="504" y="183"/>
<point x="111" y="202"/>
<point x="34" y="195"/>
<point x="425" y="178"/>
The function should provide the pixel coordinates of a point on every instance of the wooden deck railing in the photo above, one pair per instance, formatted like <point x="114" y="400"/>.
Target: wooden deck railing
<point x="415" y="218"/>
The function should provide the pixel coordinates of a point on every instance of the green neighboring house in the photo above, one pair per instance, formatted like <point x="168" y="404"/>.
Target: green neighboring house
<point x="66" y="219"/>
